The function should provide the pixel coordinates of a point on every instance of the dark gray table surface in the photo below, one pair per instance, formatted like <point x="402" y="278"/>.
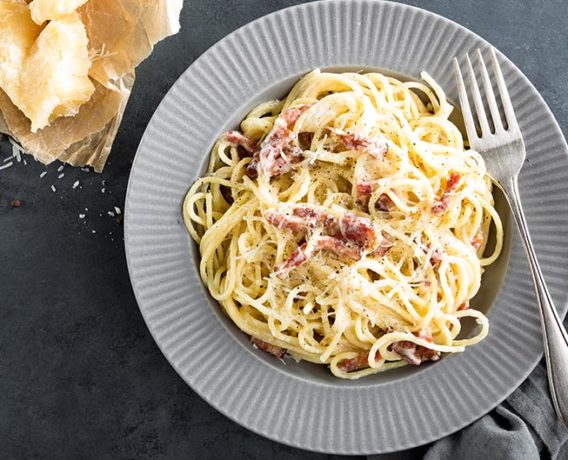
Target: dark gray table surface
<point x="80" y="376"/>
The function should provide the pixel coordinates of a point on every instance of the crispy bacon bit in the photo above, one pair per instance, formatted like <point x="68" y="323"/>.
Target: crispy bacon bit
<point x="291" y="115"/>
<point x="338" y="247"/>
<point x="252" y="168"/>
<point x="453" y="181"/>
<point x="310" y="216"/>
<point x="436" y="257"/>
<point x="239" y="139"/>
<point x="357" y="363"/>
<point x="325" y="243"/>
<point x="298" y="257"/>
<point x="364" y="191"/>
<point x="277" y="154"/>
<point x="354" y="364"/>
<point x="384" y="247"/>
<point x="358" y="230"/>
<point x="15" y="204"/>
<point x="280" y="220"/>
<point x="305" y="140"/>
<point x="478" y="240"/>
<point x="245" y="148"/>
<point x="463" y="306"/>
<point x="414" y="354"/>
<point x="427" y="354"/>
<point x="376" y="147"/>
<point x="345" y="237"/>
<point x="384" y="203"/>
<point x="349" y="228"/>
<point x="441" y="205"/>
<point x="274" y="350"/>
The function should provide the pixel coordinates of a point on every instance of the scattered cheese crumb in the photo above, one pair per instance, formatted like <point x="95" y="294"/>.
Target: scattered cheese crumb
<point x="81" y="216"/>
<point x="111" y="214"/>
<point x="103" y="190"/>
<point x="16" y="153"/>
<point x="94" y="231"/>
<point x="76" y="184"/>
<point x="85" y="169"/>
<point x="43" y="174"/>
<point x="61" y="176"/>
<point x="6" y="165"/>
<point x="6" y="159"/>
<point x="60" y="168"/>
<point x="117" y="210"/>
<point x="53" y="189"/>
<point x="25" y="162"/>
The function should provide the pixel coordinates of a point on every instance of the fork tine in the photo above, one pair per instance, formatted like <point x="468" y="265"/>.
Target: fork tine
<point x="493" y="108"/>
<point x="481" y="115"/>
<point x="464" y="103"/>
<point x="504" y="93"/>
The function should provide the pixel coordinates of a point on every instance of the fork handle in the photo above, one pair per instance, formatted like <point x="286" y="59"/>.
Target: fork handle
<point x="554" y="334"/>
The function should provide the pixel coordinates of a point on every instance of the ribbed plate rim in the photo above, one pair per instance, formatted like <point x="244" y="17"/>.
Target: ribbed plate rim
<point x="365" y="446"/>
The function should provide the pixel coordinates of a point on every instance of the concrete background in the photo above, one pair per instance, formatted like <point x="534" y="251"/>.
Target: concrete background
<point x="80" y="376"/>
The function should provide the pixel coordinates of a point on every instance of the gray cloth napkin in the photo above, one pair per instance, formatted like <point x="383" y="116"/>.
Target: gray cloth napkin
<point x="523" y="427"/>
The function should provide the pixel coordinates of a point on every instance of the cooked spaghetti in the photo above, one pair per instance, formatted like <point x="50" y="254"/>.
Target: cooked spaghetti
<point x="346" y="224"/>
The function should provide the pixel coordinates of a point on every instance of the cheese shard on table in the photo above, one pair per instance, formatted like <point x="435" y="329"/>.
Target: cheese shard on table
<point x="55" y="76"/>
<point x="46" y="10"/>
<point x="44" y="71"/>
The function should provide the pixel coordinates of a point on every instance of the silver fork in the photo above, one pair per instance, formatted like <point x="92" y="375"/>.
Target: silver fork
<point x="504" y="152"/>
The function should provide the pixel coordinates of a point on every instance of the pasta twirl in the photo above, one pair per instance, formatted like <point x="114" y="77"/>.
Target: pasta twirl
<point x="346" y="224"/>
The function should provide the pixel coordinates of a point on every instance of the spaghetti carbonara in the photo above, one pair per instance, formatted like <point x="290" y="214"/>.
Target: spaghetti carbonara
<point x="345" y="225"/>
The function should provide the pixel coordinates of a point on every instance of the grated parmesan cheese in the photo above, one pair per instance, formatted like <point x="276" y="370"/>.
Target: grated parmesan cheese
<point x="16" y="153"/>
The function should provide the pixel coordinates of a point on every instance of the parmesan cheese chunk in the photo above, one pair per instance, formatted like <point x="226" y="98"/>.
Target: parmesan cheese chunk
<point x="17" y="34"/>
<point x="45" y="10"/>
<point x="55" y="78"/>
<point x="44" y="71"/>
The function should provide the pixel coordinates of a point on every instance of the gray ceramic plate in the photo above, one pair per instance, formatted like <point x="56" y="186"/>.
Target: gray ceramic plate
<point x="302" y="404"/>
